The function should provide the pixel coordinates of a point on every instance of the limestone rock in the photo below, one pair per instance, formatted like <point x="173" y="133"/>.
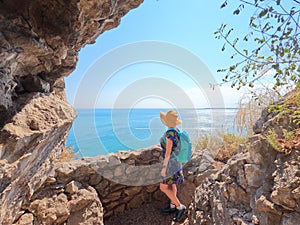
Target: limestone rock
<point x="26" y="219"/>
<point x="259" y="187"/>
<point x="254" y="175"/>
<point x="58" y="206"/>
<point x="39" y="42"/>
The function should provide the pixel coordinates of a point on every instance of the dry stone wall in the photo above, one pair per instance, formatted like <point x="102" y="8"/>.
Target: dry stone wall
<point x="104" y="186"/>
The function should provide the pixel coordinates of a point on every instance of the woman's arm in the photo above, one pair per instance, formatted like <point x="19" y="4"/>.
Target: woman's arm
<point x="169" y="145"/>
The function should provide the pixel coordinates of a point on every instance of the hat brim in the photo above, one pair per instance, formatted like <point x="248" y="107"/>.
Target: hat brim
<point x="169" y="123"/>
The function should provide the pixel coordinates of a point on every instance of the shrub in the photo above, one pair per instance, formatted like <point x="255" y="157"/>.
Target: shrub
<point x="289" y="107"/>
<point x="285" y="142"/>
<point x="222" y="145"/>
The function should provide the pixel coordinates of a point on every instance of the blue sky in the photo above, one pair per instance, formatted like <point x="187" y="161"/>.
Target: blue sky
<point x="190" y="25"/>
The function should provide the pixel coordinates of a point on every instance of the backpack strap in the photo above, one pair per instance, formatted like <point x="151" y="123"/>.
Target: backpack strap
<point x="178" y="131"/>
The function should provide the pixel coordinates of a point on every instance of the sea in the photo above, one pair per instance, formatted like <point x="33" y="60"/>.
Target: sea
<point x="103" y="131"/>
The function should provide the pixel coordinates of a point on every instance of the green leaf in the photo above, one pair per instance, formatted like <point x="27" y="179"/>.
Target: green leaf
<point x="263" y="13"/>
<point x="263" y="40"/>
<point x="231" y="68"/>
<point x="228" y="33"/>
<point x="233" y="55"/>
<point x="223" y="48"/>
<point x="253" y="25"/>
<point x="224" y="4"/>
<point x="275" y="66"/>
<point x="293" y="66"/>
<point x="235" y="41"/>
<point x="236" y="12"/>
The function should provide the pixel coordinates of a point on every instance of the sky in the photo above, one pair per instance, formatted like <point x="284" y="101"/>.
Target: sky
<point x="163" y="54"/>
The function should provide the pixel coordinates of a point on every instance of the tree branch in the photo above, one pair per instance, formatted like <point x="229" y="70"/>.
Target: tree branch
<point x="259" y="7"/>
<point x="296" y="1"/>
<point x="237" y="50"/>
<point x="290" y="16"/>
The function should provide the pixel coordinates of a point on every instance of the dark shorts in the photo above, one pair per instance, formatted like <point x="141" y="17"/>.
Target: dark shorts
<point x="176" y="178"/>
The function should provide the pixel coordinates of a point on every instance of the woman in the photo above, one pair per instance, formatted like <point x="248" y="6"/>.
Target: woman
<point x="172" y="174"/>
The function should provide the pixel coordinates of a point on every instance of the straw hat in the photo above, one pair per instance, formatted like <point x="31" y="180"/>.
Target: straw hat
<point x="170" y="119"/>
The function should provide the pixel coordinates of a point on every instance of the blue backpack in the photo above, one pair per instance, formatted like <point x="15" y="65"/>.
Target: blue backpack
<point x="185" y="152"/>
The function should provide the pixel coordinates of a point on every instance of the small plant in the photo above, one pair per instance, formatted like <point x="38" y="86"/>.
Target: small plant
<point x="207" y="141"/>
<point x="67" y="154"/>
<point x="284" y="143"/>
<point x="222" y="145"/>
<point x="230" y="146"/>
<point x="296" y="117"/>
<point x="290" y="106"/>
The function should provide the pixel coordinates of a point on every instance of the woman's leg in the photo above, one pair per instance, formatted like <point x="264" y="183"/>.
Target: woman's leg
<point x="174" y="189"/>
<point x="171" y="192"/>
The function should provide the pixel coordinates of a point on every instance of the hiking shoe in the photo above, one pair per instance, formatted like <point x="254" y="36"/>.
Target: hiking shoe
<point x="168" y="210"/>
<point x="179" y="213"/>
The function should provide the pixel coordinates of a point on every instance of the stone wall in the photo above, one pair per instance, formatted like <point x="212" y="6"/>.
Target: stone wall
<point x="121" y="181"/>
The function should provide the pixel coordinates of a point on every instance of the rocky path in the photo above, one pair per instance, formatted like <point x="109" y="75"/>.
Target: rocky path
<point x="148" y="214"/>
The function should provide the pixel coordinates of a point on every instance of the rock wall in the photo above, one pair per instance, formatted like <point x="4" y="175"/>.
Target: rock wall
<point x="39" y="44"/>
<point x="92" y="189"/>
<point x="257" y="187"/>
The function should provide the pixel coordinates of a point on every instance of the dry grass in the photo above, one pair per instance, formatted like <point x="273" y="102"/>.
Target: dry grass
<point x="225" y="145"/>
<point x="67" y="154"/>
<point x="231" y="145"/>
<point x="250" y="108"/>
<point x="222" y="145"/>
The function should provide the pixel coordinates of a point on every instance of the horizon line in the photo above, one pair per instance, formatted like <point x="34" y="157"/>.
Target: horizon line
<point x="159" y="108"/>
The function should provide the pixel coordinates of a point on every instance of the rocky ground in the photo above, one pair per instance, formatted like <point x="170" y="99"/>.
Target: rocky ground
<point x="148" y="214"/>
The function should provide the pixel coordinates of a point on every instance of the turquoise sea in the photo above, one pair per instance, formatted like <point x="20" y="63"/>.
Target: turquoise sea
<point x="102" y="131"/>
